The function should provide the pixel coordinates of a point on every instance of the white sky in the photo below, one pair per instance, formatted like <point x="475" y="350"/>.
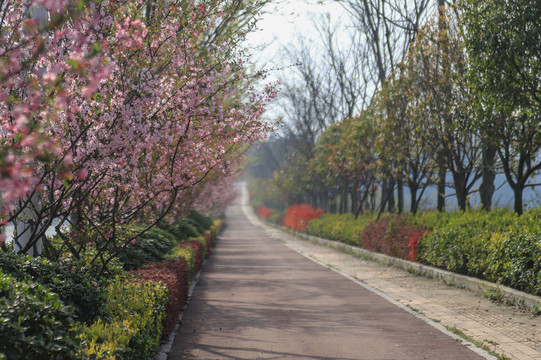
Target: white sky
<point x="282" y="23"/>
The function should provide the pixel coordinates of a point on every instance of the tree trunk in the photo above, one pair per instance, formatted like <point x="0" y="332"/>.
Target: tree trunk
<point x="460" y="189"/>
<point x="390" y="197"/>
<point x="400" y="194"/>
<point x="486" y="190"/>
<point x="414" y="204"/>
<point x="354" y="199"/>
<point x="442" y="172"/>
<point x="518" y="190"/>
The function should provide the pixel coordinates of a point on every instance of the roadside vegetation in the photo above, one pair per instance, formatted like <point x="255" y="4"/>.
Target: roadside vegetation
<point x="63" y="310"/>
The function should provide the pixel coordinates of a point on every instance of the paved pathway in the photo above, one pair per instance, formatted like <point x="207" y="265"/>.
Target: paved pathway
<point x="258" y="299"/>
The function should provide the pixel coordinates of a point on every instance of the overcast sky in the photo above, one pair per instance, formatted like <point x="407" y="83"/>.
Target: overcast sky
<point x="281" y="25"/>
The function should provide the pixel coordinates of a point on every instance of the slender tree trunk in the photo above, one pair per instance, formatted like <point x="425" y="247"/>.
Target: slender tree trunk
<point x="461" y="193"/>
<point x="442" y="172"/>
<point x="486" y="190"/>
<point x="414" y="204"/>
<point x="390" y="190"/>
<point x="354" y="198"/>
<point x="400" y="194"/>
<point x="343" y="201"/>
<point x="519" y="205"/>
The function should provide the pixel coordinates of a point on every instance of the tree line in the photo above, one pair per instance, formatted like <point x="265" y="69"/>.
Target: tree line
<point x="426" y="96"/>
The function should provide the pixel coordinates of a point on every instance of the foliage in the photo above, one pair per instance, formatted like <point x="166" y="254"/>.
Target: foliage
<point x="497" y="246"/>
<point x="35" y="324"/>
<point x="344" y="228"/>
<point x="205" y="249"/>
<point x="132" y="325"/>
<point x="189" y="255"/>
<point x="277" y="217"/>
<point x="298" y="216"/>
<point x="264" y="191"/>
<point x="197" y="247"/>
<point x="181" y="229"/>
<point x="152" y="246"/>
<point x="174" y="275"/>
<point x="394" y="236"/>
<point x="503" y="40"/>
<point x="205" y="222"/>
<point x="72" y="280"/>
<point x="263" y="212"/>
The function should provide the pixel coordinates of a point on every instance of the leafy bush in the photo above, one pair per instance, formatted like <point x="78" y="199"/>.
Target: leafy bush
<point x="277" y="217"/>
<point x="181" y="229"/>
<point x="497" y="246"/>
<point x="89" y="247"/>
<point x="35" y="323"/>
<point x="174" y="275"/>
<point x="72" y="280"/>
<point x="341" y="227"/>
<point x="152" y="246"/>
<point x="204" y="248"/>
<point x="188" y="254"/>
<point x="198" y="250"/>
<point x="204" y="222"/>
<point x="263" y="212"/>
<point x="298" y="216"/>
<point x="132" y="326"/>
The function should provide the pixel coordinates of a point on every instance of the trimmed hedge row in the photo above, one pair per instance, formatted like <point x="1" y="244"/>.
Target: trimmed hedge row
<point x="497" y="246"/>
<point x="59" y="311"/>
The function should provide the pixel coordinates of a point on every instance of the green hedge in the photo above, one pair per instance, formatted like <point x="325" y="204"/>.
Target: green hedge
<point x="152" y="246"/>
<point x="34" y="322"/>
<point x="344" y="228"/>
<point x="132" y="325"/>
<point x="72" y="280"/>
<point x="498" y="246"/>
<point x="62" y="310"/>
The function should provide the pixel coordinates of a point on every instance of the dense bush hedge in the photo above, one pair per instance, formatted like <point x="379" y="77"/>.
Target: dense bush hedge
<point x="71" y="280"/>
<point x="344" y="228"/>
<point x="298" y="216"/>
<point x="34" y="323"/>
<point x="174" y="274"/>
<point x="62" y="310"/>
<point x="498" y="246"/>
<point x="132" y="325"/>
<point x="152" y="246"/>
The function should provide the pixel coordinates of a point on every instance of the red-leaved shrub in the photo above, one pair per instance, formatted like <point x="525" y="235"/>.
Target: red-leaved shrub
<point x="298" y="216"/>
<point x="393" y="236"/>
<point x="198" y="247"/>
<point x="174" y="275"/>
<point x="263" y="212"/>
<point x="209" y="239"/>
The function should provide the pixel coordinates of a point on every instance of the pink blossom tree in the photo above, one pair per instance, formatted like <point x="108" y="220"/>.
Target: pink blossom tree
<point x="128" y="108"/>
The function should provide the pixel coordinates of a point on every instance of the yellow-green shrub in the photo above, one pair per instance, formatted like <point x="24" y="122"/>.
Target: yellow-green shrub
<point x="132" y="326"/>
<point x="188" y="254"/>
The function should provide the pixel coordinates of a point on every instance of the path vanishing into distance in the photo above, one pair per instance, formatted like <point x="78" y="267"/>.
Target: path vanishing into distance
<point x="260" y="299"/>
